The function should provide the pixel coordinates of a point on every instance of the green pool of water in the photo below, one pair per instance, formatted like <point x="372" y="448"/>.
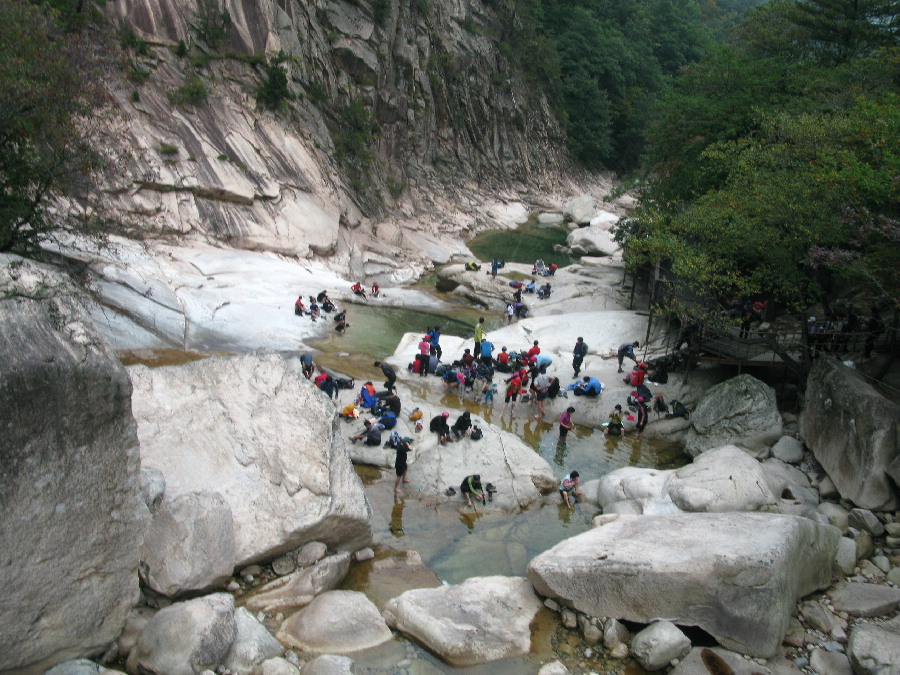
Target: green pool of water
<point x="525" y="244"/>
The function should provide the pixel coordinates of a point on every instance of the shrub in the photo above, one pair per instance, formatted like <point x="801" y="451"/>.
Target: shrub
<point x="274" y="90"/>
<point x="192" y="92"/>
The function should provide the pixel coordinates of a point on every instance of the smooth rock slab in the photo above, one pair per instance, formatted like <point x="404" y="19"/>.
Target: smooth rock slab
<point x="875" y="648"/>
<point x="336" y="622"/>
<point x="824" y="662"/>
<point x="329" y="664"/>
<point x="708" y="660"/>
<point x="480" y="620"/>
<point x="864" y="600"/>
<point x="736" y="575"/>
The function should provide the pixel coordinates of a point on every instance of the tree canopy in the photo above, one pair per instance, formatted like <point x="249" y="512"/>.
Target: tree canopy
<point x="775" y="162"/>
<point x="45" y="84"/>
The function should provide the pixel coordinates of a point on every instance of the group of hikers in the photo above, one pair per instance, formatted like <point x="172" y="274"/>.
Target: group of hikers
<point x="318" y="304"/>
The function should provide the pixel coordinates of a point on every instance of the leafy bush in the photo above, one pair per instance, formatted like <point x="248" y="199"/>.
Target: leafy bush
<point x="273" y="92"/>
<point x="167" y="149"/>
<point x="193" y="92"/>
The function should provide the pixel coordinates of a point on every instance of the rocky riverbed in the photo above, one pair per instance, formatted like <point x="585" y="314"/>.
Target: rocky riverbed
<point x="238" y="517"/>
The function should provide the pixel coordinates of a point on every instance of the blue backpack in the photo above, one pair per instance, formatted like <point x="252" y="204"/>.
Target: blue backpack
<point x="388" y="420"/>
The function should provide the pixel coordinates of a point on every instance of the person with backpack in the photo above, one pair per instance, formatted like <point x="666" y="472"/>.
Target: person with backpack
<point x="367" y="397"/>
<point x="403" y="449"/>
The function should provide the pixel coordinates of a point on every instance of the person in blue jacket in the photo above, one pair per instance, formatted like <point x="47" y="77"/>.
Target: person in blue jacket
<point x="627" y="350"/>
<point x="589" y="386"/>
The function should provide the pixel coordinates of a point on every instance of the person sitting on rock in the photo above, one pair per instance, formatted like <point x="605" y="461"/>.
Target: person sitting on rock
<point x="341" y="324"/>
<point x="589" y="386"/>
<point x="359" y="290"/>
<point x="371" y="434"/>
<point x="367" y="397"/>
<point x="568" y="489"/>
<point x="471" y="485"/>
<point x="376" y="289"/>
<point x="299" y="307"/>
<point x="636" y="376"/>
<point x="539" y="267"/>
<point x="530" y="287"/>
<point x="615" y="426"/>
<point x="439" y="426"/>
<point x="544" y="292"/>
<point x="314" y="311"/>
<point x="462" y="425"/>
<point x="501" y="364"/>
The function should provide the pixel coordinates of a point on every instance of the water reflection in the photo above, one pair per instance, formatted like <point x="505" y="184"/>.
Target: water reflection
<point x="396" y="526"/>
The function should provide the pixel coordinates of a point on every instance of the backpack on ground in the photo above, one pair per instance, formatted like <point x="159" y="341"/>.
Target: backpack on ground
<point x="388" y="421"/>
<point x="678" y="410"/>
<point x="659" y="405"/>
<point x="441" y="370"/>
<point x="344" y="383"/>
<point x="476" y="434"/>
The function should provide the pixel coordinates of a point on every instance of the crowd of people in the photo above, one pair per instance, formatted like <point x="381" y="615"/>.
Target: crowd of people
<point x="481" y="371"/>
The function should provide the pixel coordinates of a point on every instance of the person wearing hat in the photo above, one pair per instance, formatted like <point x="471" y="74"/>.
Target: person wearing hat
<point x="441" y="427"/>
<point x="471" y="485"/>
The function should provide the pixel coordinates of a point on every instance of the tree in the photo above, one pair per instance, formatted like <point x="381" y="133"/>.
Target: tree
<point x="44" y="86"/>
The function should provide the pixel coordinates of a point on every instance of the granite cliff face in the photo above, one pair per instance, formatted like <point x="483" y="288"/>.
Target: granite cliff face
<point x="448" y="132"/>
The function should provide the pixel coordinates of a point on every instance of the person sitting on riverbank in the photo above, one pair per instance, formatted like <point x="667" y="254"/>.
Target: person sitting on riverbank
<point x="569" y="490"/>
<point x="501" y="364"/>
<point x="440" y="426"/>
<point x="314" y="311"/>
<point x="636" y="376"/>
<point x="471" y="485"/>
<point x="371" y="434"/>
<point x="299" y="307"/>
<point x="589" y="386"/>
<point x="376" y="289"/>
<point x="615" y="426"/>
<point x="462" y="425"/>
<point x="367" y="397"/>
<point x="530" y="287"/>
<point x="539" y="267"/>
<point x="544" y="292"/>
<point x="358" y="289"/>
<point x="342" y="325"/>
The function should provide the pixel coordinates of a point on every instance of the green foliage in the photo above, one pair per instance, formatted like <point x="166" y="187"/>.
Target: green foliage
<point x="775" y="163"/>
<point x="211" y="23"/>
<point x="380" y="11"/>
<point x="354" y="134"/>
<point x="273" y="92"/>
<point x="167" y="149"/>
<point x="192" y="93"/>
<point x="181" y="50"/>
<point x="316" y="91"/>
<point x="47" y="79"/>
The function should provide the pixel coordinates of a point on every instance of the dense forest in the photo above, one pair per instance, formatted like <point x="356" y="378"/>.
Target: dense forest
<point x="762" y="139"/>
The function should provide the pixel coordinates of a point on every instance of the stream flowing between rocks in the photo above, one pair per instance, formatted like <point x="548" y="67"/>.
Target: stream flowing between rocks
<point x="454" y="541"/>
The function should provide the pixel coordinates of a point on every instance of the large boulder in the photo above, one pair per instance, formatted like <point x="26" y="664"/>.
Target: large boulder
<point x="737" y="576"/>
<point x="724" y="479"/>
<point x="71" y="513"/>
<point x="190" y="544"/>
<point x="580" y="210"/>
<point x="186" y="638"/>
<point x="593" y="241"/>
<point x="254" y="430"/>
<point x="852" y="431"/>
<point x="336" y="622"/>
<point x="741" y="411"/>
<point x="480" y="620"/>
<point x="874" y="648"/>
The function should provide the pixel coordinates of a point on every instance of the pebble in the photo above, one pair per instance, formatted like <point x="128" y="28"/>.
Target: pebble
<point x="832" y="646"/>
<point x="801" y="662"/>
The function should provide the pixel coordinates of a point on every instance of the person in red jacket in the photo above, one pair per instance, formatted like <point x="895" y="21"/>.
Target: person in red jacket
<point x="513" y="385"/>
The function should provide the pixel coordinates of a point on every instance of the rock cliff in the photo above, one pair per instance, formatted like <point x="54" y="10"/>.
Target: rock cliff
<point x="400" y="119"/>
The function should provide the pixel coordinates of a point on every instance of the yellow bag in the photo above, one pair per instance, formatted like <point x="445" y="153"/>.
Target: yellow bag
<point x="349" y="411"/>
<point x="415" y="415"/>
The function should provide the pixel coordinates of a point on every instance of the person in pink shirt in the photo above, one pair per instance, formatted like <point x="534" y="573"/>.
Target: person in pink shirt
<point x="424" y="355"/>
